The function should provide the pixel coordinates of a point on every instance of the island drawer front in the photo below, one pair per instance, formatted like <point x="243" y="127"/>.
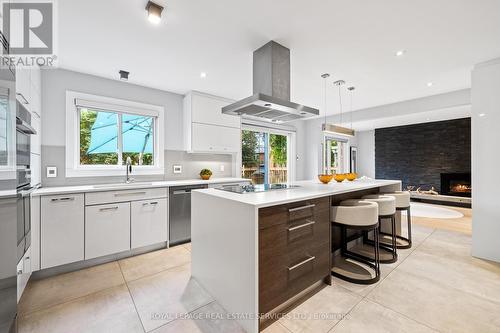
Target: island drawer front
<point x="293" y="212"/>
<point x="105" y="197"/>
<point x="282" y="277"/>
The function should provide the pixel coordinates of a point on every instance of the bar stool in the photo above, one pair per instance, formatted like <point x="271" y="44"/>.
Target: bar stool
<point x="402" y="203"/>
<point x="358" y="215"/>
<point x="386" y="210"/>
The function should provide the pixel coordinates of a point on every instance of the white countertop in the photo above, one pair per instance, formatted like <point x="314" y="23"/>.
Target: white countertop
<point x="138" y="185"/>
<point x="307" y="190"/>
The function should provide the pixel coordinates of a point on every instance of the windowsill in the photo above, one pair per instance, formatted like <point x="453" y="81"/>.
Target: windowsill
<point x="112" y="171"/>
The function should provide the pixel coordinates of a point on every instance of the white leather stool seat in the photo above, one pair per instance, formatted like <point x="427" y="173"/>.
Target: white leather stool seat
<point x="386" y="204"/>
<point x="402" y="198"/>
<point x="355" y="212"/>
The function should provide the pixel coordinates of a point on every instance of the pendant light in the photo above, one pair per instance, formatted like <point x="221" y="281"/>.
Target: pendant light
<point x="351" y="93"/>
<point x="338" y="129"/>
<point x="325" y="77"/>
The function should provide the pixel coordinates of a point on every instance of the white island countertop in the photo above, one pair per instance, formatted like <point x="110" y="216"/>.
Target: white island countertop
<point x="131" y="186"/>
<point x="306" y="190"/>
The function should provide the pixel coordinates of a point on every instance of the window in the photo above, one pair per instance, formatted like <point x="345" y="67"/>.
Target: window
<point x="108" y="131"/>
<point x="266" y="156"/>
<point x="334" y="155"/>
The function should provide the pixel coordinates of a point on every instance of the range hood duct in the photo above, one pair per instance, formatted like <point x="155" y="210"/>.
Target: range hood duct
<point x="271" y="89"/>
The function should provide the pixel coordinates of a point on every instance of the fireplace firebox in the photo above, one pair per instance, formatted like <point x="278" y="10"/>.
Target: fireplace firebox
<point x="456" y="184"/>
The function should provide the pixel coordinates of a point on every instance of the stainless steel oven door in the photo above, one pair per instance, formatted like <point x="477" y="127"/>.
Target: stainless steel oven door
<point x="23" y="221"/>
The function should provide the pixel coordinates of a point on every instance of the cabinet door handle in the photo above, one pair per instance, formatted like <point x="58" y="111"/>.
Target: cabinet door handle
<point x="63" y="199"/>
<point x="19" y="272"/>
<point x="311" y="258"/>
<point x="25" y="101"/>
<point x="128" y="193"/>
<point x="36" y="114"/>
<point x="150" y="203"/>
<point x="308" y="223"/>
<point x="291" y="210"/>
<point x="108" y="208"/>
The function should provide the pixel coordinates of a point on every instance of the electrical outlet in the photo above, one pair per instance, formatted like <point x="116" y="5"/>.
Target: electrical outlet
<point x="177" y="169"/>
<point x="222" y="168"/>
<point x="51" y="172"/>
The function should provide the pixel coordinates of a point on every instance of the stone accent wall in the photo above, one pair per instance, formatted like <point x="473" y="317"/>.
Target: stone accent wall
<point x="418" y="154"/>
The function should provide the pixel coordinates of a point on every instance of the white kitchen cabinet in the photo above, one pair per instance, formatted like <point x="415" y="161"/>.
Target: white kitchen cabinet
<point x="23" y="86"/>
<point x="206" y="129"/>
<point x="217" y="139"/>
<point x="23" y="273"/>
<point x="35" y="233"/>
<point x="62" y="229"/>
<point x="149" y="223"/>
<point x="207" y="109"/>
<point x="107" y="229"/>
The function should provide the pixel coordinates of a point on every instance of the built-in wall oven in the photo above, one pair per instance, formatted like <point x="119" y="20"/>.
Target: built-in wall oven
<point x="24" y="189"/>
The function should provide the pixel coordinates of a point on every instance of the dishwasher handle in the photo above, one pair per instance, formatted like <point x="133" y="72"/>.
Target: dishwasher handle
<point x="178" y="192"/>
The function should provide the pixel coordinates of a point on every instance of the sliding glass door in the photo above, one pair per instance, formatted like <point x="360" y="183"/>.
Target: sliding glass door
<point x="265" y="156"/>
<point x="334" y="155"/>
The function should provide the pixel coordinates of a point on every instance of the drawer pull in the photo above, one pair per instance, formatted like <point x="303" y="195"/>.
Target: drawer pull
<point x="309" y="222"/>
<point x="129" y="193"/>
<point x="63" y="199"/>
<point x="291" y="210"/>
<point x="301" y="263"/>
<point x="108" y="208"/>
<point x="150" y="203"/>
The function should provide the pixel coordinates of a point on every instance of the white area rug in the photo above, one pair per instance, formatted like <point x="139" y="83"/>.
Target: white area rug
<point x="424" y="210"/>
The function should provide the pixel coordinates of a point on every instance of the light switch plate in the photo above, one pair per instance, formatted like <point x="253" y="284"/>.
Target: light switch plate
<point x="51" y="172"/>
<point x="177" y="169"/>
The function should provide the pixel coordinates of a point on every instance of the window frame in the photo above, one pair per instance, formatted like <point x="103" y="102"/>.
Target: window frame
<point x="291" y="145"/>
<point x="326" y="161"/>
<point x="75" y="100"/>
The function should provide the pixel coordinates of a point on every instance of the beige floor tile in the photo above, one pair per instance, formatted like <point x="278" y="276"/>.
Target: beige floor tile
<point x="472" y="276"/>
<point x="187" y="246"/>
<point x="322" y="311"/>
<point x="111" y="310"/>
<point x="153" y="262"/>
<point x="276" y="328"/>
<point x="436" y="304"/>
<point x="165" y="296"/>
<point x="66" y="287"/>
<point x="374" y="318"/>
<point x="211" y="318"/>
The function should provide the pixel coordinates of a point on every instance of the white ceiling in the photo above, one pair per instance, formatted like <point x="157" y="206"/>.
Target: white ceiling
<point x="353" y="40"/>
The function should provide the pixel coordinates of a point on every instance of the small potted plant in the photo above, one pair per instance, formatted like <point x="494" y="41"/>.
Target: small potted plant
<point x="205" y="174"/>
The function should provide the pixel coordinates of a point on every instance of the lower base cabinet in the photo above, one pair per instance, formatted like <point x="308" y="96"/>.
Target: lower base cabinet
<point x="107" y="229"/>
<point x="148" y="222"/>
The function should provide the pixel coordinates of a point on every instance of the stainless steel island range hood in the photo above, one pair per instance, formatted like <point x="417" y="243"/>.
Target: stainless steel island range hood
<point x="271" y="88"/>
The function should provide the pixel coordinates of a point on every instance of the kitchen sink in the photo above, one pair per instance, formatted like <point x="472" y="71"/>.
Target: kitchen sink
<point x="122" y="185"/>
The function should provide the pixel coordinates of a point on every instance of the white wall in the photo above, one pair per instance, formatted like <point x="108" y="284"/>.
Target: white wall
<point x="366" y="153"/>
<point x="485" y="160"/>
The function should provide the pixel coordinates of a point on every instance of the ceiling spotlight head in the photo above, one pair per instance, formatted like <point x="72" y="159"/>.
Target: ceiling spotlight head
<point x="339" y="82"/>
<point x="400" y="53"/>
<point x="429" y="84"/>
<point x="154" y="12"/>
<point x="203" y="75"/>
<point x="325" y="76"/>
<point x="123" y="75"/>
<point x="351" y="88"/>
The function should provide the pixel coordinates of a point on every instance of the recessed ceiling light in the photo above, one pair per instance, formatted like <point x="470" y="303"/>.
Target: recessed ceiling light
<point x="482" y="114"/>
<point x="123" y="75"/>
<point x="154" y="12"/>
<point x="400" y="53"/>
<point x="203" y="75"/>
<point x="429" y="84"/>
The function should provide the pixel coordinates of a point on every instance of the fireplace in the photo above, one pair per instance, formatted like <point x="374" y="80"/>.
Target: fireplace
<point x="456" y="184"/>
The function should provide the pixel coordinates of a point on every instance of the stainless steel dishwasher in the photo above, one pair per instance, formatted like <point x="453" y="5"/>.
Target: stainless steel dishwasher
<point x="180" y="213"/>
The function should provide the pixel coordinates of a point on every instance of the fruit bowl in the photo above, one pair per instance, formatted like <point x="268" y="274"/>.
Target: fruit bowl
<point x="351" y="176"/>
<point x="324" y="178"/>
<point x="339" y="177"/>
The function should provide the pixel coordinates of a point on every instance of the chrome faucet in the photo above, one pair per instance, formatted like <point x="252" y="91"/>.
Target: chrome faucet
<point x="128" y="165"/>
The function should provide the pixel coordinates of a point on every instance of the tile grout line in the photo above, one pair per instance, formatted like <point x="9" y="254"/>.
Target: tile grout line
<point x="46" y="307"/>
<point x="170" y="322"/>
<point x="131" y="297"/>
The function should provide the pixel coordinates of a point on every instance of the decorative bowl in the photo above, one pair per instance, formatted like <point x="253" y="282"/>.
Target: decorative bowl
<point x="205" y="177"/>
<point x="339" y="177"/>
<point x="324" y="178"/>
<point x="351" y="176"/>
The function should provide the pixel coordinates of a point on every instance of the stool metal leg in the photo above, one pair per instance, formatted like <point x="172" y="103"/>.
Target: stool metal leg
<point x="389" y="248"/>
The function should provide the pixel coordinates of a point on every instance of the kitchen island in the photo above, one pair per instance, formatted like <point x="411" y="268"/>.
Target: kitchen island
<point x="258" y="254"/>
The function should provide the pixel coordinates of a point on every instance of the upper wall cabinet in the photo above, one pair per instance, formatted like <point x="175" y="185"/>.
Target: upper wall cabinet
<point x="204" y="111"/>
